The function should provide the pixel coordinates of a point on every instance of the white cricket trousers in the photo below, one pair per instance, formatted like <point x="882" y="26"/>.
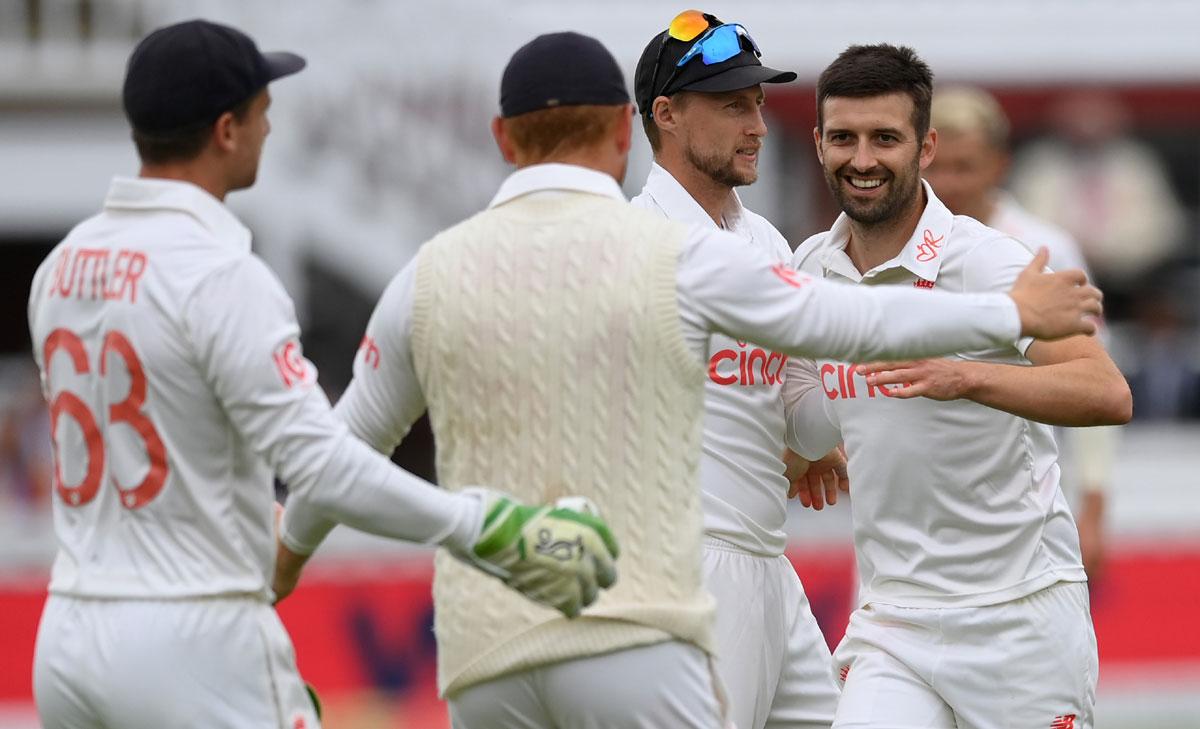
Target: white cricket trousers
<point x="209" y="663"/>
<point x="668" y="685"/>
<point x="771" y="656"/>
<point x="1026" y="663"/>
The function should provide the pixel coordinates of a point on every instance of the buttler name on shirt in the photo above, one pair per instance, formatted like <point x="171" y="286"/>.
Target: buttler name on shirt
<point x="97" y="273"/>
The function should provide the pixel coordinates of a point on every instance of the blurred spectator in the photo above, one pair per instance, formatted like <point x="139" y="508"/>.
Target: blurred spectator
<point x="1107" y="189"/>
<point x="971" y="162"/>
<point x="1164" y="371"/>
<point x="25" y="451"/>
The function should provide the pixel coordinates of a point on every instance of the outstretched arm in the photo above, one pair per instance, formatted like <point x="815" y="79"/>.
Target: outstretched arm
<point x="252" y="358"/>
<point x="741" y="293"/>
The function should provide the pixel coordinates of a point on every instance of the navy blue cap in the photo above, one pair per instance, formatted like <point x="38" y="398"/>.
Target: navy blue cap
<point x="192" y="72"/>
<point x="560" y="69"/>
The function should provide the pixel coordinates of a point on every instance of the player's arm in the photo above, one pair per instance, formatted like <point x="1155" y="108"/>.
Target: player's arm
<point x="1094" y="451"/>
<point x="811" y="430"/>
<point x="245" y="335"/>
<point x="247" y="343"/>
<point x="743" y="294"/>
<point x="812" y="434"/>
<point x="37" y="294"/>
<point x="384" y="398"/>
<point x="1072" y="382"/>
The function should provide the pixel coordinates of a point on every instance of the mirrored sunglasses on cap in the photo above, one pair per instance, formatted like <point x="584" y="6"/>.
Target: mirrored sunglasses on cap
<point x="715" y="45"/>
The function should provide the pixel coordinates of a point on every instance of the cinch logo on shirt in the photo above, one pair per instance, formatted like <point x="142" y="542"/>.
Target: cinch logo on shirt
<point x="730" y="367"/>
<point x="923" y="284"/>
<point x="1066" y="721"/>
<point x="838" y="381"/>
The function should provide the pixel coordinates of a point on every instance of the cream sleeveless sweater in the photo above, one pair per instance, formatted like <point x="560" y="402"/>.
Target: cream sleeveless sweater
<point x="547" y="340"/>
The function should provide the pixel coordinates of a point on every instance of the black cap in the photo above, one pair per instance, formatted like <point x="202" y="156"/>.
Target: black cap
<point x="560" y="69"/>
<point x="740" y="72"/>
<point x="192" y="72"/>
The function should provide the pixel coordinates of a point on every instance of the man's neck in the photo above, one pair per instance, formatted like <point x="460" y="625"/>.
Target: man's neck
<point x="197" y="175"/>
<point x="599" y="160"/>
<point x="713" y="196"/>
<point x="873" y="244"/>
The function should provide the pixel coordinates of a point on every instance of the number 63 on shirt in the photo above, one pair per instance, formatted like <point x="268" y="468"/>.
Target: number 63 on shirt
<point x="128" y="411"/>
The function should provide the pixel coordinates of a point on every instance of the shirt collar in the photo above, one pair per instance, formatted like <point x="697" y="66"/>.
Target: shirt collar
<point x="155" y="193"/>
<point x="678" y="203"/>
<point x="922" y="255"/>
<point x="556" y="176"/>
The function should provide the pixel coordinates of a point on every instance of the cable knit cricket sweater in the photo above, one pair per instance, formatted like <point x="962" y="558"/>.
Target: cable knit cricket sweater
<point x="547" y="339"/>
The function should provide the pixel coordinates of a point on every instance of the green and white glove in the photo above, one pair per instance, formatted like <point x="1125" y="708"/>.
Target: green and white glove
<point x="560" y="555"/>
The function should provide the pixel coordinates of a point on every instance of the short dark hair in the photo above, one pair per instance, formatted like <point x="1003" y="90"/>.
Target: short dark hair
<point x="651" y="129"/>
<point x="185" y="143"/>
<point x="862" y="71"/>
<point x="678" y="100"/>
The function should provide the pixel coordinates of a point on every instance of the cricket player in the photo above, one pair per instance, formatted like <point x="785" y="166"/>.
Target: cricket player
<point x="973" y="606"/>
<point x="972" y="160"/>
<point x="170" y="357"/>
<point x="559" y="341"/>
<point x="699" y="88"/>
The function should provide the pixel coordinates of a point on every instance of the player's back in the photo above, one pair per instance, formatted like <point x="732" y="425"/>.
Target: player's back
<point x="155" y="494"/>
<point x="548" y="342"/>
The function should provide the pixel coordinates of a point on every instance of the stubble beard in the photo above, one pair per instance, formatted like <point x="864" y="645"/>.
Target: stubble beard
<point x="875" y="212"/>
<point x="720" y="169"/>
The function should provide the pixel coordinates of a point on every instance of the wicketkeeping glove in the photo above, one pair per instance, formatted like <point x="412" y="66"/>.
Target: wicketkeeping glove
<point x="560" y="555"/>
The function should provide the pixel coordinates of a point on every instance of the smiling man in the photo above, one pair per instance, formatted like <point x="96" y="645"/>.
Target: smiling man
<point x="699" y="88"/>
<point x="973" y="607"/>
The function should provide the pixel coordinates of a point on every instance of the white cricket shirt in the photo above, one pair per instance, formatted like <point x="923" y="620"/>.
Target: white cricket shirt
<point x="170" y="358"/>
<point x="725" y="285"/>
<point x="954" y="503"/>
<point x="741" y="471"/>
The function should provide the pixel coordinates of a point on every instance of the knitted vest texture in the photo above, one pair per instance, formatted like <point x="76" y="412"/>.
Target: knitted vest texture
<point x="547" y="340"/>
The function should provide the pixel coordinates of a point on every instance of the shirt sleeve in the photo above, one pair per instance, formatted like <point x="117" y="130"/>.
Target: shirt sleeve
<point x="811" y="428"/>
<point x="36" y="294"/>
<point x="994" y="265"/>
<point x="384" y="399"/>
<point x="243" y="327"/>
<point x="726" y="286"/>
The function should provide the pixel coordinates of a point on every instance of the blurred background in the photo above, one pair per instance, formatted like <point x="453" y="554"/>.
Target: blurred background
<point x="383" y="140"/>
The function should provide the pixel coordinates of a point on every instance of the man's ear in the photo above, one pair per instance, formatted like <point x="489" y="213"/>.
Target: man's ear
<point x="507" y="150"/>
<point x="928" y="147"/>
<point x="224" y="132"/>
<point x="817" y="144"/>
<point x="664" y="115"/>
